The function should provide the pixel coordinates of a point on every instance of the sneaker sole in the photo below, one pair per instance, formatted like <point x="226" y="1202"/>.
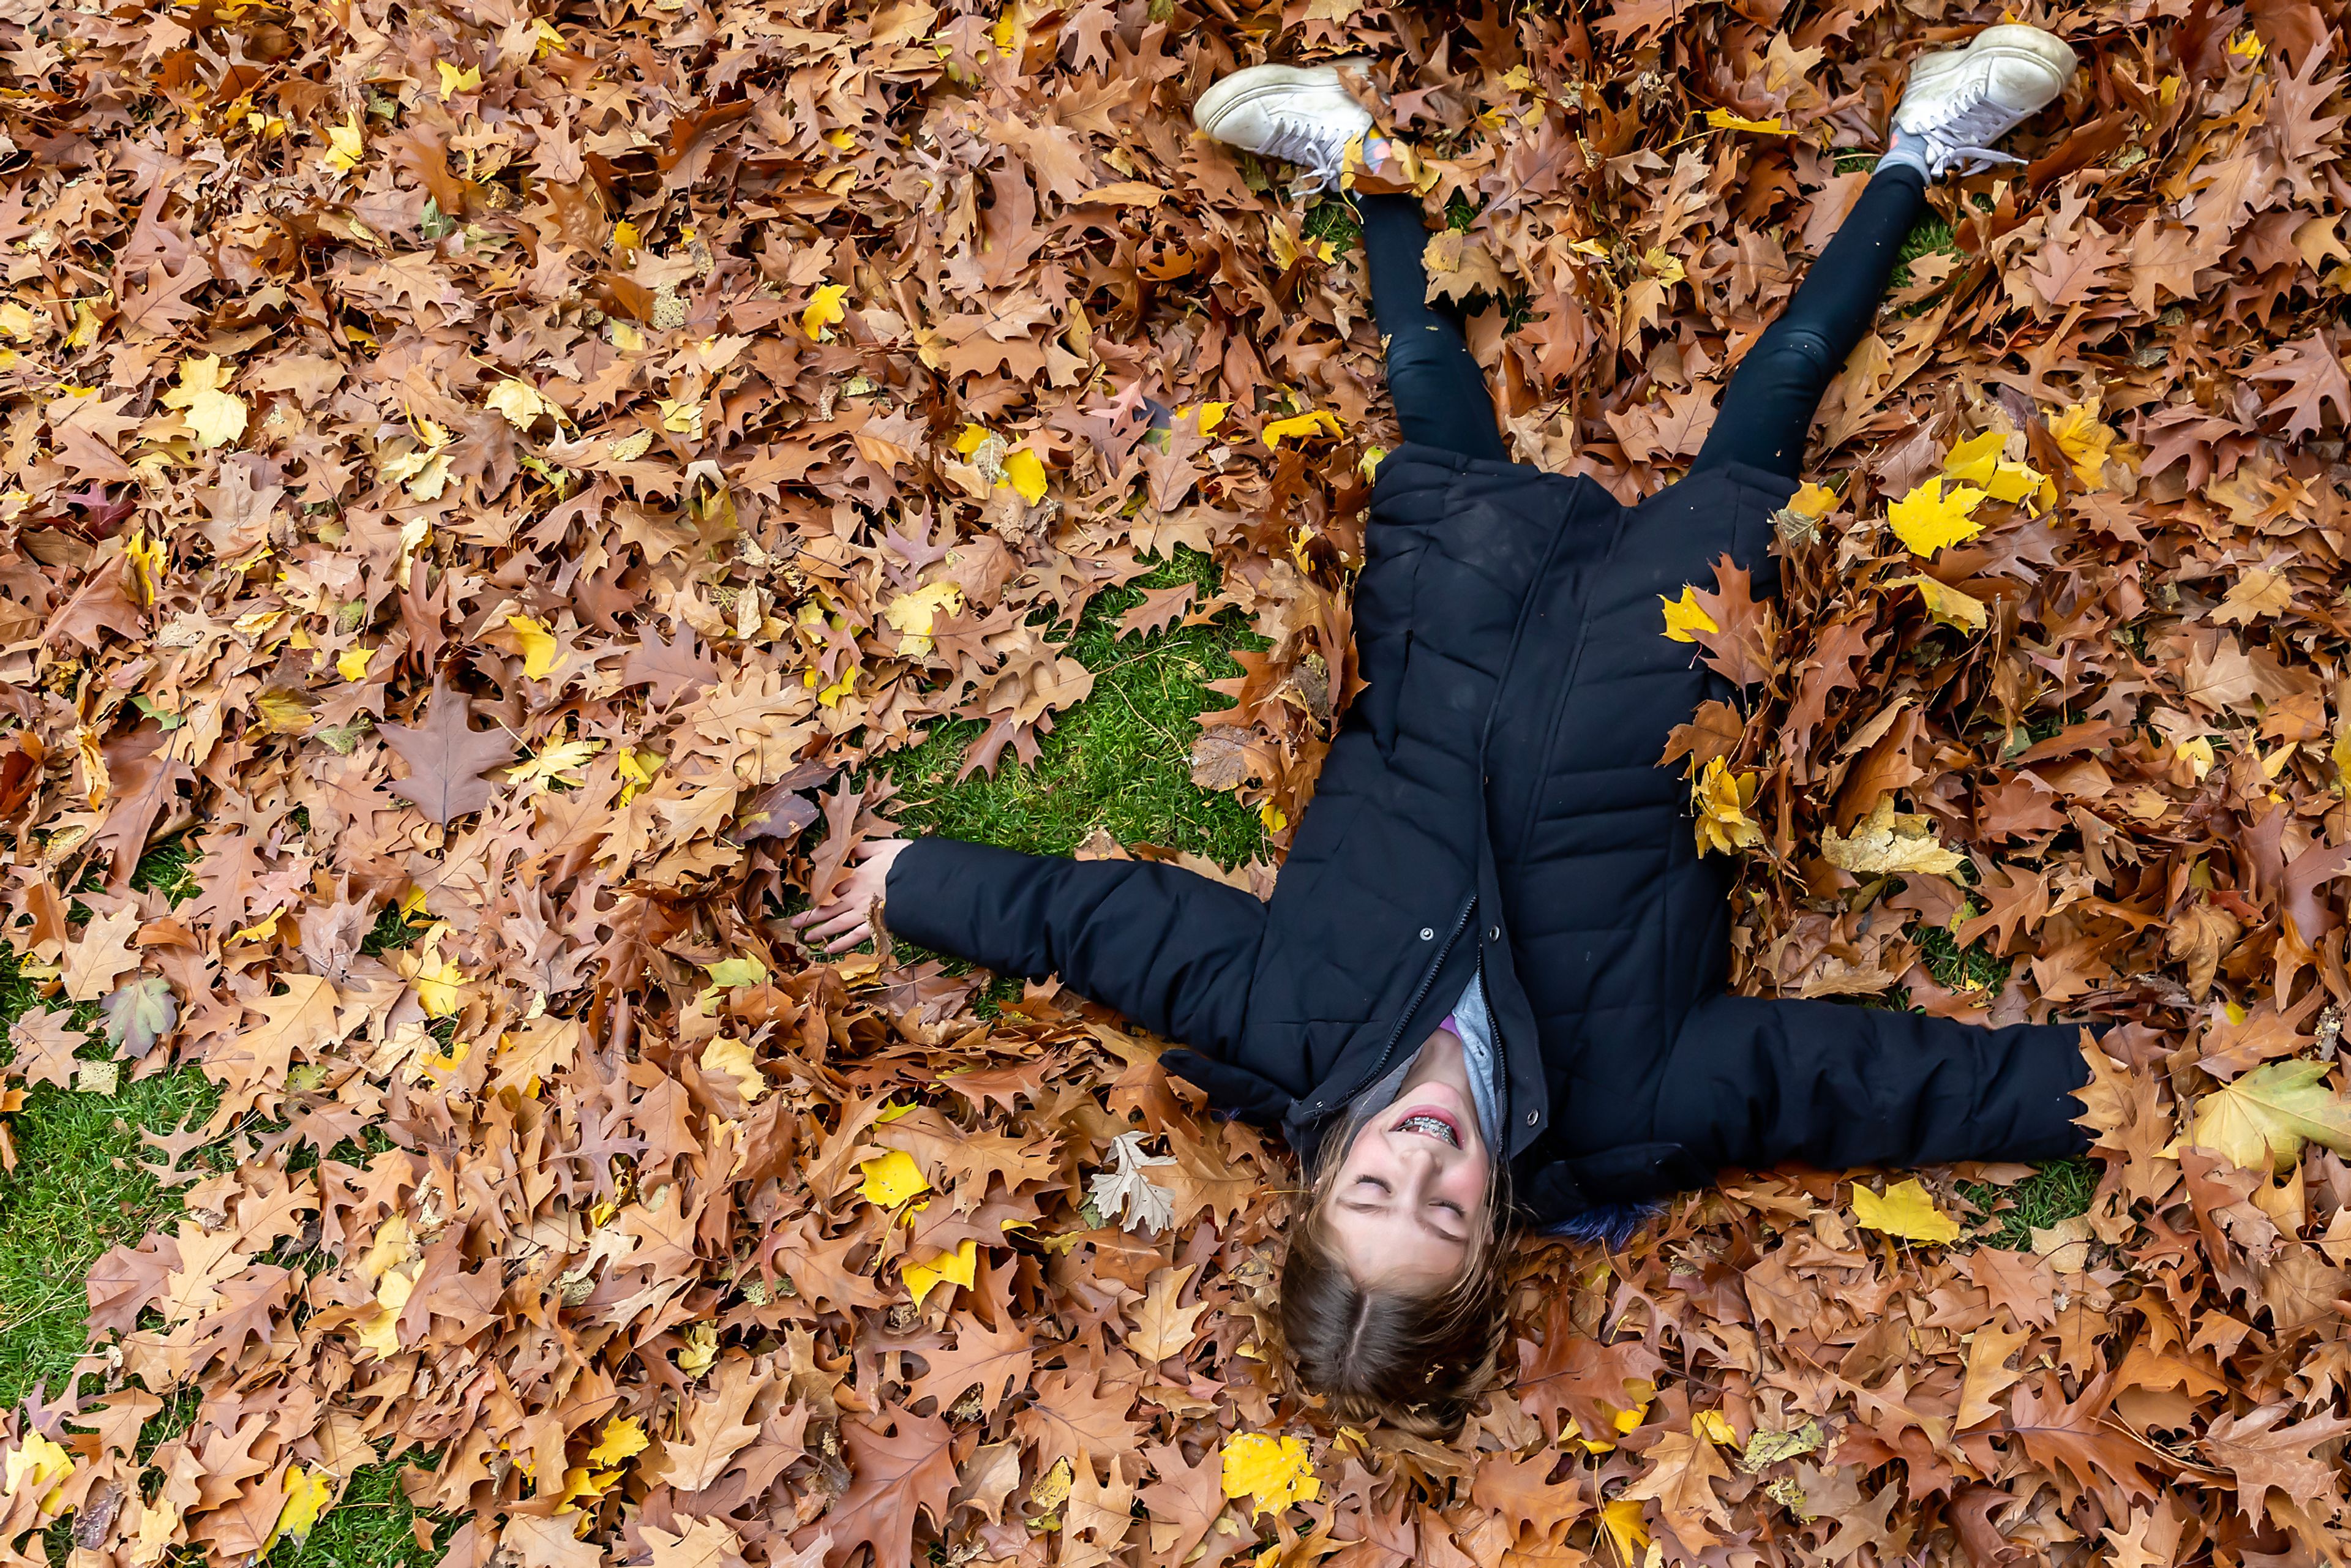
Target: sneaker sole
<point x="1244" y="85"/>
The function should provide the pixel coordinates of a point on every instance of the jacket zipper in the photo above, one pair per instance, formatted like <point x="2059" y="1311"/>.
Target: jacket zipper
<point x="1499" y="1068"/>
<point x="1419" y="995"/>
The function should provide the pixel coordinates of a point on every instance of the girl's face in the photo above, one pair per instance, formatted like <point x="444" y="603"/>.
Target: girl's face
<point x="1409" y="1198"/>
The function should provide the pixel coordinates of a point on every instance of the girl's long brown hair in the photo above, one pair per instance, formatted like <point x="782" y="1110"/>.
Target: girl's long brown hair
<point x="1418" y="1360"/>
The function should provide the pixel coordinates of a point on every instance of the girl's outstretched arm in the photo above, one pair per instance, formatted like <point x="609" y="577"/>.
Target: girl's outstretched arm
<point x="1173" y="950"/>
<point x="1753" y="1082"/>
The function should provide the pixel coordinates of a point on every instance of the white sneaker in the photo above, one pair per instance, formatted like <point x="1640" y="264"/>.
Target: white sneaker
<point x="1304" y="115"/>
<point x="1961" y="102"/>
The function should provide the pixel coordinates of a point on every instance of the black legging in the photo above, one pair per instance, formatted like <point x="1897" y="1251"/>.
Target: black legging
<point x="1767" y="412"/>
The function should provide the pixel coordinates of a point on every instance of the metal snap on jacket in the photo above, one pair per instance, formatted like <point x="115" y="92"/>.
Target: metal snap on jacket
<point x="1428" y="932"/>
<point x="1493" y="934"/>
<point x="1532" y="1117"/>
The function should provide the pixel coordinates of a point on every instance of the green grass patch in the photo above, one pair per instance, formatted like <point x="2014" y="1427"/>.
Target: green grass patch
<point x="79" y="1189"/>
<point x="368" y="1528"/>
<point x="2054" y="1192"/>
<point x="1974" y="967"/>
<point x="1120" y="761"/>
<point x="1333" y="219"/>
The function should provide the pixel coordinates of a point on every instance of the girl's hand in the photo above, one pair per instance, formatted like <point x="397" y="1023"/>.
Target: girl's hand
<point x="848" y="920"/>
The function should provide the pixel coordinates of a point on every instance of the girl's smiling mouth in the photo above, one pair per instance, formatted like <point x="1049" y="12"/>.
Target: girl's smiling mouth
<point x="1428" y="1121"/>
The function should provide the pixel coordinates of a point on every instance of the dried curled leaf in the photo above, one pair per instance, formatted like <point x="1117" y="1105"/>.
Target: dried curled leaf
<point x="1890" y="842"/>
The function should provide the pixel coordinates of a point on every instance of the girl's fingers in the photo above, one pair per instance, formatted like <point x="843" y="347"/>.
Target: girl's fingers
<point x="856" y="936"/>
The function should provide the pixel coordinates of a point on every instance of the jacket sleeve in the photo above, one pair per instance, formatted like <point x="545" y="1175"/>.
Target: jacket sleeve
<point x="1173" y="950"/>
<point x="1754" y="1082"/>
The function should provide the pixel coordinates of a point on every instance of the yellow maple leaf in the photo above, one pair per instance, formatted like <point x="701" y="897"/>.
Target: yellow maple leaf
<point x="1813" y="501"/>
<point x="159" y="1527"/>
<point x="1723" y="120"/>
<point x="1274" y="818"/>
<point x="2013" y="482"/>
<point x="1947" y="604"/>
<point x="1025" y="472"/>
<point x="353" y="663"/>
<point x="264" y="928"/>
<point x="308" y="1493"/>
<point x="1714" y="1428"/>
<point x="2260" y="1121"/>
<point x="892" y="1179"/>
<point x="549" y="41"/>
<point x="960" y="1266"/>
<point x="345" y="146"/>
<point x="380" y="1330"/>
<point x="680" y="416"/>
<point x="622" y="1438"/>
<point x="17" y="320"/>
<point x="1271" y="1472"/>
<point x="1300" y="427"/>
<point x="558" y="763"/>
<point x="636" y="769"/>
<point x="732" y="1057"/>
<point x="1971" y="462"/>
<point x="1684" y="618"/>
<point x="540" y="653"/>
<point x="1720" y="798"/>
<point x="146" y="557"/>
<point x="2247" y="46"/>
<point x="437" y="981"/>
<point x="1930" y="517"/>
<point x="824" y="310"/>
<point x="831" y="695"/>
<point x="453" y="81"/>
<point x="1287" y="251"/>
<point x="741" y="971"/>
<point x="215" y="417"/>
<point x="582" y="1484"/>
<point x="2085" y="440"/>
<point x="1907" y="1210"/>
<point x="519" y="401"/>
<point x="911" y="615"/>
<point x="1621" y="1518"/>
<point x="700" y="1350"/>
<point x="425" y="468"/>
<point x="1211" y="415"/>
<point x="40" y="1465"/>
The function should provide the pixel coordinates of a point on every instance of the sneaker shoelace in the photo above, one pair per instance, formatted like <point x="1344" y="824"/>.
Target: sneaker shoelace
<point x="1962" y="137"/>
<point x="1316" y="145"/>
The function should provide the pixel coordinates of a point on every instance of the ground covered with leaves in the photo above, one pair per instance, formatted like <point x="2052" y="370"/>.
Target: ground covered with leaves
<point x="499" y="506"/>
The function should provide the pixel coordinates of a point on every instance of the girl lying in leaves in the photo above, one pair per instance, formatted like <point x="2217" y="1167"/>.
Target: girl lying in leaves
<point x="1489" y="988"/>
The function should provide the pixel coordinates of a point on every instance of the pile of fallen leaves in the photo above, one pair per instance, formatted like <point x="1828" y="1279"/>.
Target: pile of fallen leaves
<point x="500" y="486"/>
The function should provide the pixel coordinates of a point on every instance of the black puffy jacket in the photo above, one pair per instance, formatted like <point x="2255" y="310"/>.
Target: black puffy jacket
<point x="1494" y="799"/>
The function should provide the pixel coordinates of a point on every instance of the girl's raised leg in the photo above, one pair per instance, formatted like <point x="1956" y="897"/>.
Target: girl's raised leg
<point x="1306" y="115"/>
<point x="1439" y="390"/>
<point x="1958" y="103"/>
<point x="1767" y="413"/>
